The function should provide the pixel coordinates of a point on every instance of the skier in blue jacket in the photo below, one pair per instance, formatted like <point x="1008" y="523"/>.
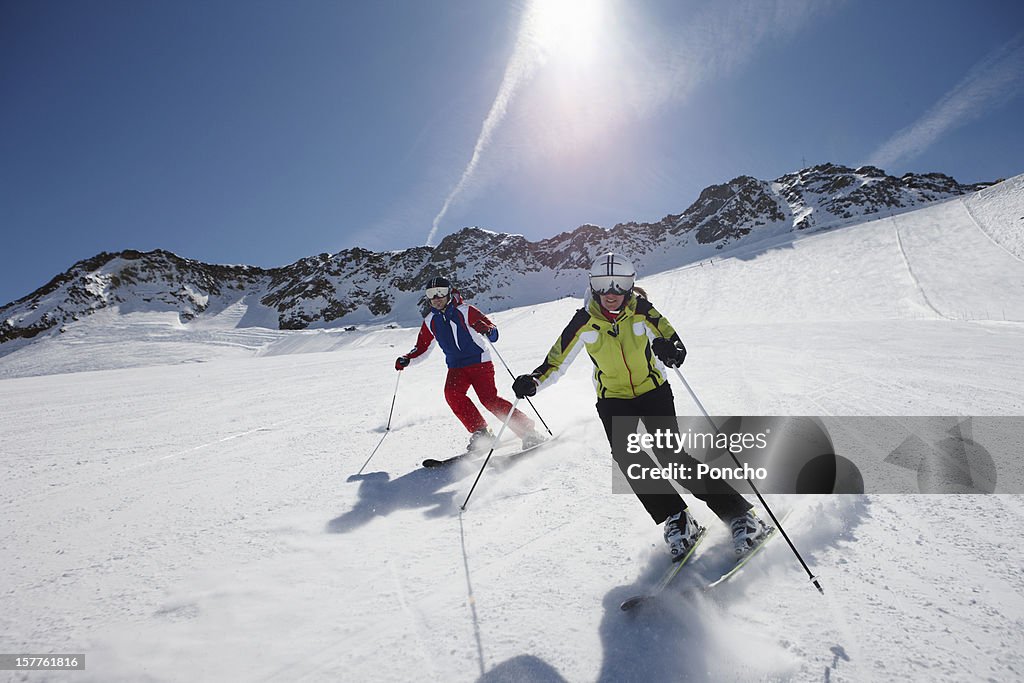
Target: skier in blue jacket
<point x="462" y="332"/>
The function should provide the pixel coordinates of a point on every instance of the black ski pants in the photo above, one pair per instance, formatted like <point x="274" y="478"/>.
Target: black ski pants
<point x="657" y="410"/>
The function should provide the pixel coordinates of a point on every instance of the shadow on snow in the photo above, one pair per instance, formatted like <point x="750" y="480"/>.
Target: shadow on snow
<point x="379" y="496"/>
<point x="687" y="636"/>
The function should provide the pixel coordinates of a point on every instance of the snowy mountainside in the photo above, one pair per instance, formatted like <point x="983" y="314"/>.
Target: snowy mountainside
<point x="498" y="271"/>
<point x="999" y="210"/>
<point x="922" y="260"/>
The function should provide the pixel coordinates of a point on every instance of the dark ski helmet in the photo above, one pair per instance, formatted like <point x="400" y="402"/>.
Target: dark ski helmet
<point x="612" y="274"/>
<point x="438" y="286"/>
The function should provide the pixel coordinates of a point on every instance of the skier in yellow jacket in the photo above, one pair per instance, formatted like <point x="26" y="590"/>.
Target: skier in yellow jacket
<point x="631" y="344"/>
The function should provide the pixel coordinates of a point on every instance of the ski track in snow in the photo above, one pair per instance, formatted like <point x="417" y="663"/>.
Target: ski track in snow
<point x="198" y="520"/>
<point x="910" y="270"/>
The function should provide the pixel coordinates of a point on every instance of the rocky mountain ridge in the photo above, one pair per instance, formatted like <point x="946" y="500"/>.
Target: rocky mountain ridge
<point x="495" y="270"/>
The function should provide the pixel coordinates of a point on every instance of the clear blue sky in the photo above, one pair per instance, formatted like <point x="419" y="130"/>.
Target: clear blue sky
<point x="261" y="132"/>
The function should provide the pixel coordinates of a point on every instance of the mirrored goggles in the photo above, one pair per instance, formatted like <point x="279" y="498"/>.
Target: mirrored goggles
<point x="612" y="284"/>
<point x="437" y="292"/>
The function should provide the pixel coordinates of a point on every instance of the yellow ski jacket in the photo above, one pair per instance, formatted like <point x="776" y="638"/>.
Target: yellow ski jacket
<point x="624" y="364"/>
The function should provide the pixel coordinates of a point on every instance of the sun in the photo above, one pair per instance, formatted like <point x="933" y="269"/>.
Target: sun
<point x="569" y="30"/>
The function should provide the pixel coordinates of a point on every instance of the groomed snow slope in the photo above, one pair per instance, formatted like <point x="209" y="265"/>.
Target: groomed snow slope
<point x="197" y="521"/>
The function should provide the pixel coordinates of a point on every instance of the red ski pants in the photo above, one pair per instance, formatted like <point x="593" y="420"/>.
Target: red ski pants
<point x="481" y="378"/>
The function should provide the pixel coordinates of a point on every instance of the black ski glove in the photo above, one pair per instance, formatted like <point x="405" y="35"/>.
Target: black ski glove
<point x="401" y="363"/>
<point x="524" y="386"/>
<point x="671" y="353"/>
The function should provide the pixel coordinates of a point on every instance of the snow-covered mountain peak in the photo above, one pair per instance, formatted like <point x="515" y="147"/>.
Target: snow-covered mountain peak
<point x="497" y="270"/>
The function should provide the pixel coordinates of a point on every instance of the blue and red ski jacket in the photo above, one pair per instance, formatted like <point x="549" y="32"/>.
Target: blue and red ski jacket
<point x="460" y="330"/>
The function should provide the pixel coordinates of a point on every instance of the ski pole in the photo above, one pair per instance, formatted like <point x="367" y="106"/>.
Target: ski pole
<point x="497" y="439"/>
<point x="387" y="429"/>
<point x="757" y="493"/>
<point x="513" y="377"/>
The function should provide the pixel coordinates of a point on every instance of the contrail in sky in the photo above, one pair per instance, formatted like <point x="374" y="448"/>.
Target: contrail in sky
<point x="656" y="66"/>
<point x="991" y="83"/>
<point x="526" y="57"/>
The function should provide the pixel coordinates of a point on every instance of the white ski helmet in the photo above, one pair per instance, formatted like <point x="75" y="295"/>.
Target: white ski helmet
<point x="612" y="274"/>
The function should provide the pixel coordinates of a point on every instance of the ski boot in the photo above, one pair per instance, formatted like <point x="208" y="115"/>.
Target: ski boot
<point x="681" y="533"/>
<point x="533" y="439"/>
<point x="747" y="532"/>
<point x="480" y="440"/>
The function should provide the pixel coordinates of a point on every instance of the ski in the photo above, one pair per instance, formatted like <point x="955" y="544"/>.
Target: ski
<point x="727" y="574"/>
<point x="432" y="462"/>
<point x="740" y="563"/>
<point x="505" y="458"/>
<point x="509" y="459"/>
<point x="666" y="580"/>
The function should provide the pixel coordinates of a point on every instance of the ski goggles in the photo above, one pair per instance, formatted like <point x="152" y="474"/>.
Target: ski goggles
<point x="612" y="284"/>
<point x="437" y="292"/>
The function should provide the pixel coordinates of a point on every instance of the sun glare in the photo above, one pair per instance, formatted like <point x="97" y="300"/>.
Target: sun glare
<point x="568" y="29"/>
